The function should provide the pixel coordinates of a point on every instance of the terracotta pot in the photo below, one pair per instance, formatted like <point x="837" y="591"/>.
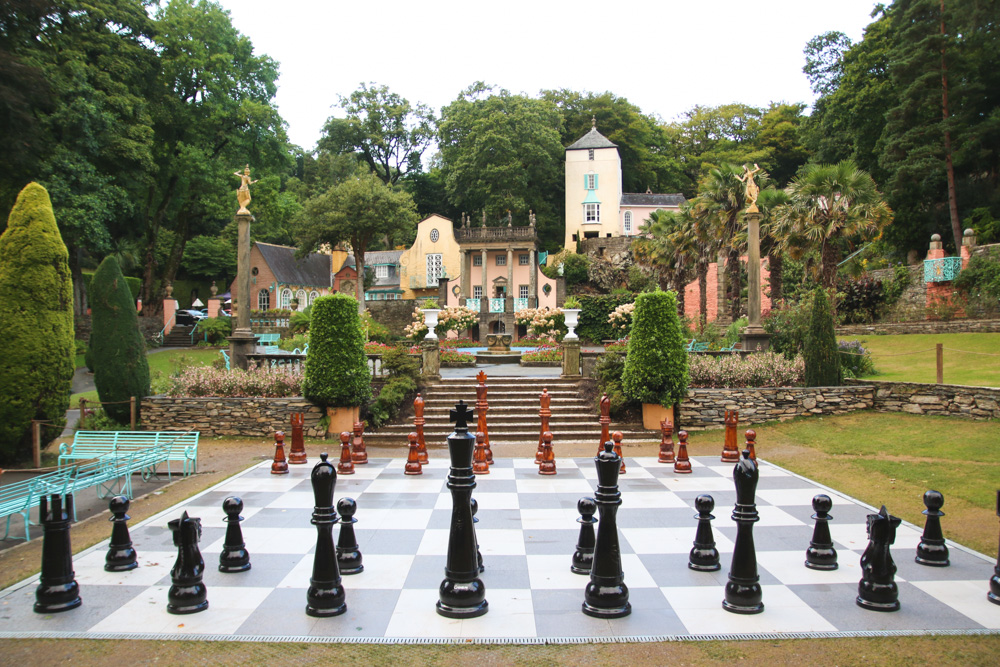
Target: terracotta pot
<point x="653" y="414"/>
<point x="341" y="419"/>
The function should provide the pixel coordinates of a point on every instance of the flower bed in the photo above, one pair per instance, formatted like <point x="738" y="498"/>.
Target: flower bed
<point x="542" y="354"/>
<point x="620" y="345"/>
<point x="753" y="370"/>
<point x="266" y="382"/>
<point x="452" y="357"/>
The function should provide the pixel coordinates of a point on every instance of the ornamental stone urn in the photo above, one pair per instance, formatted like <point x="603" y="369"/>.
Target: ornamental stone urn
<point x="499" y="343"/>
<point x="431" y="320"/>
<point x="571" y="316"/>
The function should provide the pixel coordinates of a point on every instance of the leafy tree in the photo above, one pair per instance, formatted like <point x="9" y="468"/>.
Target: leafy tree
<point x="384" y="129"/>
<point x="820" y="352"/>
<point x="358" y="211"/>
<point x="825" y="61"/>
<point x="210" y="257"/>
<point x="36" y="323"/>
<point x="117" y="348"/>
<point x="656" y="369"/>
<point x="336" y="372"/>
<point x="670" y="245"/>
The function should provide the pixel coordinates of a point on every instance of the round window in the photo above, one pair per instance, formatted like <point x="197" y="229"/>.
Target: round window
<point x="435" y="235"/>
<point x="254" y="271"/>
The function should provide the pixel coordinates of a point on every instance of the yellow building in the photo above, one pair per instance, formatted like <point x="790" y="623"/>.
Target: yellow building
<point x="434" y="254"/>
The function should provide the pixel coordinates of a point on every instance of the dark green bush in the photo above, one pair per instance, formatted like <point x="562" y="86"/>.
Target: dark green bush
<point x="594" y="311"/>
<point x="377" y="332"/>
<point x="608" y="373"/>
<point x="394" y="394"/>
<point x="134" y="286"/>
<point x="656" y="366"/>
<point x="36" y="324"/>
<point x="217" y="329"/>
<point x="860" y="301"/>
<point x="120" y="366"/>
<point x="979" y="283"/>
<point x="787" y="326"/>
<point x="820" y="348"/>
<point x="575" y="269"/>
<point x="336" y="372"/>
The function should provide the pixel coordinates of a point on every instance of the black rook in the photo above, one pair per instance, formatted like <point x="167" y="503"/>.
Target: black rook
<point x="743" y="593"/>
<point x="57" y="588"/>
<point x="606" y="596"/>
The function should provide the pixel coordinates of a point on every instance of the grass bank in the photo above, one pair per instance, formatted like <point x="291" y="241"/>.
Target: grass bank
<point x="912" y="357"/>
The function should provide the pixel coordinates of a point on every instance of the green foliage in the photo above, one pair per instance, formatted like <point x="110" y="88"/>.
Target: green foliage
<point x="979" y="283"/>
<point x="100" y="420"/>
<point x="859" y="301"/>
<point x="336" y="373"/>
<point x="788" y="326"/>
<point x="217" y="329"/>
<point x="656" y="366"/>
<point x="734" y="332"/>
<point x="299" y="321"/>
<point x="575" y="268"/>
<point x="893" y="288"/>
<point x="210" y="258"/>
<point x="855" y="359"/>
<point x="398" y="362"/>
<point x="120" y="367"/>
<point x="36" y="323"/>
<point x="820" y="347"/>
<point x="571" y="302"/>
<point x="608" y="373"/>
<point x="134" y="285"/>
<point x="376" y="331"/>
<point x="292" y="342"/>
<point x="391" y="398"/>
<point x="594" y="311"/>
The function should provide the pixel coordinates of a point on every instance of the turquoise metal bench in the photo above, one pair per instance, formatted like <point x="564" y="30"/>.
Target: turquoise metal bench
<point x="268" y="339"/>
<point x="112" y="473"/>
<point x="181" y="446"/>
<point x="20" y="497"/>
<point x="225" y="355"/>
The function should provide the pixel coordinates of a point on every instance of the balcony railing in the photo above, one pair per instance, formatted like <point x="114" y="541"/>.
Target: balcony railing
<point x="496" y="234"/>
<point x="496" y="305"/>
<point x="941" y="270"/>
<point x="474" y="304"/>
<point x="520" y="304"/>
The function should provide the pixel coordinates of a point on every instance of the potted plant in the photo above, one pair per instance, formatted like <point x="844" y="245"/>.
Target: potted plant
<point x="656" y="371"/>
<point x="336" y="372"/>
<point x="571" y="313"/>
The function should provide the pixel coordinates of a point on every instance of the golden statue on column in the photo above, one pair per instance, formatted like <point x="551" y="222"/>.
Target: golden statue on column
<point x="243" y="193"/>
<point x="751" y="187"/>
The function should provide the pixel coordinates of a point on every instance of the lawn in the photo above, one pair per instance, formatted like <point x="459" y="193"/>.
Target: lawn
<point x="911" y="358"/>
<point x="165" y="363"/>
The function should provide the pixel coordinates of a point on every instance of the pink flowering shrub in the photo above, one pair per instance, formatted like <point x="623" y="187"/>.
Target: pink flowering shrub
<point x="267" y="382"/>
<point x="620" y="345"/>
<point x="753" y="370"/>
<point x="377" y="348"/>
<point x="547" y="323"/>
<point x="543" y="353"/>
<point x="456" y="357"/>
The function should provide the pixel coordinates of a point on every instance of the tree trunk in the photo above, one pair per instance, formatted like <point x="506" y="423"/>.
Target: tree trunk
<point x="359" y="264"/>
<point x="733" y="272"/>
<point x="775" y="263"/>
<point x="956" y="224"/>
<point x="828" y="264"/>
<point x="177" y="251"/>
<point x="681" y="290"/>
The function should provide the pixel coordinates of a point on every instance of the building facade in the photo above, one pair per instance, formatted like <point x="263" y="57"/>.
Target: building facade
<point x="278" y="279"/>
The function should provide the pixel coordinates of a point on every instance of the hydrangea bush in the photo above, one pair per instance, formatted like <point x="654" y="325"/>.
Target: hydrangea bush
<point x="267" y="382"/>
<point x="620" y="318"/>
<point x="753" y="370"/>
<point x="545" y="323"/>
<point x="452" y="318"/>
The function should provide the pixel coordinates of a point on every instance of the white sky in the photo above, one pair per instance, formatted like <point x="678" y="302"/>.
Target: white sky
<point x="665" y="56"/>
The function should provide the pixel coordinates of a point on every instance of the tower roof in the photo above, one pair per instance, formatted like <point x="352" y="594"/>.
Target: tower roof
<point x="592" y="139"/>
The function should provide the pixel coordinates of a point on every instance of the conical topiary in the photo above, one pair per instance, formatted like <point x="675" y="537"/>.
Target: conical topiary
<point x="656" y="368"/>
<point x="336" y="374"/>
<point x="820" y="352"/>
<point x="36" y="324"/>
<point x="117" y="348"/>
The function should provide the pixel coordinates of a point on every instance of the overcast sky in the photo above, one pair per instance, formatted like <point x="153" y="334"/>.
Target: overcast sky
<point x="665" y="56"/>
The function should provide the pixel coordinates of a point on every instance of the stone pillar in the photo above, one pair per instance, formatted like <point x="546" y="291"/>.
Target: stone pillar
<point x="754" y="337"/>
<point x="533" y="280"/>
<point x="484" y="302"/>
<point x="169" y="308"/>
<point x="571" y="358"/>
<point x="508" y="303"/>
<point x="968" y="243"/>
<point x="466" y="275"/>
<point x="241" y="343"/>
<point x="430" y="351"/>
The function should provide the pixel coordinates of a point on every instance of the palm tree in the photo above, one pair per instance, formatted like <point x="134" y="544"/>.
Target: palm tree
<point x="663" y="247"/>
<point x="772" y="236"/>
<point x="834" y="206"/>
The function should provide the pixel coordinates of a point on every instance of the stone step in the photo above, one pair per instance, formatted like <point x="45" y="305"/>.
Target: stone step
<point x="528" y="404"/>
<point x="581" y="437"/>
<point x="559" y="431"/>
<point x="528" y="396"/>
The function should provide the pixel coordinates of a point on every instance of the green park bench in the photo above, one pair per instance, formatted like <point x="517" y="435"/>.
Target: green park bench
<point x="268" y="339"/>
<point x="20" y="497"/>
<point x="181" y="446"/>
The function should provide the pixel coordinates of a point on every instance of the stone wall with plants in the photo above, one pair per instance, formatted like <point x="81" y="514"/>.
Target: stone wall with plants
<point x="230" y="417"/>
<point x="705" y="408"/>
<point x="926" y="327"/>
<point x="912" y="300"/>
<point x="935" y="399"/>
<point x="394" y="314"/>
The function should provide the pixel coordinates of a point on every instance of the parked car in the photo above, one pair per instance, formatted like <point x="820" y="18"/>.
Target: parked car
<point x="222" y="313"/>
<point x="188" y="316"/>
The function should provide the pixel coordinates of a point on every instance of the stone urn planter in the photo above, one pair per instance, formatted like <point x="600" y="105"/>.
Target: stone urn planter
<point x="342" y="419"/>
<point x="654" y="413"/>
<point x="572" y="318"/>
<point x="499" y="342"/>
<point x="431" y="320"/>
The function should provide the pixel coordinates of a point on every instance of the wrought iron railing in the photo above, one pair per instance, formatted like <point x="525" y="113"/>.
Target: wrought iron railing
<point x="474" y="304"/>
<point x="520" y="304"/>
<point x="942" y="270"/>
<point x="496" y="305"/>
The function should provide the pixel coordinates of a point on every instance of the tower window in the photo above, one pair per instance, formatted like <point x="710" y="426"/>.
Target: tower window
<point x="590" y="154"/>
<point x="523" y="260"/>
<point x="592" y="213"/>
<point x="590" y="181"/>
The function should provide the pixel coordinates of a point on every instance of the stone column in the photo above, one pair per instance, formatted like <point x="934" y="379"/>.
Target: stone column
<point x="571" y="358"/>
<point x="430" y="351"/>
<point x="754" y="337"/>
<point x="484" y="302"/>
<point x="533" y="279"/>
<point x="466" y="275"/>
<point x="508" y="303"/>
<point x="241" y="343"/>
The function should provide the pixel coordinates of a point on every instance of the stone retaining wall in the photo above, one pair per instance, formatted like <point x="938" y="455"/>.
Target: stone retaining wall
<point x="394" y="315"/>
<point x="705" y="408"/>
<point x="231" y="417"/>
<point x="935" y="399"/>
<point x="926" y="327"/>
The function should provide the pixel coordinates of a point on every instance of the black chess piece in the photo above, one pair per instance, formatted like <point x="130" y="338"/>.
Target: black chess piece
<point x="57" y="588"/>
<point x="475" y="520"/>
<point x="606" y="595"/>
<point x="583" y="557"/>
<point x="994" y="594"/>
<point x="121" y="556"/>
<point x="743" y="593"/>
<point x="234" y="556"/>
<point x="877" y="589"/>
<point x="704" y="557"/>
<point x="187" y="594"/>
<point x="821" y="555"/>
<point x="348" y="551"/>
<point x="932" y="550"/>
<point x="462" y="592"/>
<point x="326" y="596"/>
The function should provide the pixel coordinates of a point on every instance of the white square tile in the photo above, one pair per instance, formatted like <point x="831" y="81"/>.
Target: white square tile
<point x="434" y="542"/>
<point x="789" y="496"/>
<point x="500" y="542"/>
<point x="967" y="598"/>
<point x="228" y="609"/>
<point x="549" y="519"/>
<point x="700" y="609"/>
<point x="855" y="536"/>
<point x="775" y="516"/>
<point x="497" y="473"/>
<point x="652" y="500"/>
<point x="272" y="541"/>
<point x="153" y="567"/>
<point x="555" y="485"/>
<point x="669" y="540"/>
<point x="789" y="567"/>
<point x="552" y="572"/>
<point x="413" y="485"/>
<point x="294" y="500"/>
<point x="391" y="519"/>
<point x="636" y="574"/>
<point x="214" y="517"/>
<point x="240" y="485"/>
<point x="693" y="482"/>
<point x="511" y="615"/>
<point x="415" y="614"/>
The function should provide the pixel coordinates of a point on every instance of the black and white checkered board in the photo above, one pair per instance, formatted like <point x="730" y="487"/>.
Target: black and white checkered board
<point x="527" y="533"/>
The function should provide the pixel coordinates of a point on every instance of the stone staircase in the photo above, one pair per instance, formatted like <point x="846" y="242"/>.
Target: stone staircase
<point x="179" y="336"/>
<point x="513" y="414"/>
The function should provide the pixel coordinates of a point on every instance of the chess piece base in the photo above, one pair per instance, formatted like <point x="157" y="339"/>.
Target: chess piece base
<point x="196" y="591"/>
<point x="60" y="597"/>
<point x="353" y="570"/>
<point x="238" y="561"/>
<point x="706" y="567"/>
<point x="666" y="459"/>
<point x="607" y="612"/>
<point x="933" y="555"/>
<point x="821" y="558"/>
<point x="297" y="458"/>
<point x="324" y="597"/>
<point x="878" y="597"/>
<point x="457" y="593"/>
<point x="731" y="457"/>
<point x="743" y="598"/>
<point x="583" y="562"/>
<point x="121" y="561"/>
<point x="683" y="468"/>
<point x="829" y="567"/>
<point x="414" y="471"/>
<point x="991" y="596"/>
<point x="877" y="606"/>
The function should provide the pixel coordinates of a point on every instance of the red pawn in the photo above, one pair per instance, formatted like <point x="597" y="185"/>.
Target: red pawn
<point x="730" y="452"/>
<point x="617" y="437"/>
<point x="413" y="466"/>
<point x="346" y="464"/>
<point x="683" y="463"/>
<point x="359" y="453"/>
<point x="418" y="423"/>
<point x="297" y="455"/>
<point x="548" y="463"/>
<point x="666" y="442"/>
<point x="544" y="414"/>
<point x="752" y="443"/>
<point x="480" y="465"/>
<point x="279" y="466"/>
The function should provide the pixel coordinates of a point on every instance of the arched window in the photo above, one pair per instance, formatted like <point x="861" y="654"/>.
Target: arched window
<point x="301" y="296"/>
<point x="263" y="300"/>
<point x="286" y="298"/>
<point x="313" y="296"/>
<point x="628" y="223"/>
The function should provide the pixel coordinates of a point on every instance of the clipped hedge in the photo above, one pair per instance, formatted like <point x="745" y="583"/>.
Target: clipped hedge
<point x="656" y="368"/>
<point x="820" y="350"/>
<point x="117" y="348"/>
<point x="36" y="324"/>
<point x="336" y="374"/>
<point x="594" y="311"/>
<point x="134" y="286"/>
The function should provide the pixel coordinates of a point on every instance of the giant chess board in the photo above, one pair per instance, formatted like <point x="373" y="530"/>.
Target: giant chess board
<point x="527" y="532"/>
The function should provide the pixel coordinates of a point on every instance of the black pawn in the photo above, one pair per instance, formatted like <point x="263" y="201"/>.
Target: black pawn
<point x="475" y="520"/>
<point x="877" y="589"/>
<point x="606" y="596"/>
<point x="348" y="551"/>
<point x="57" y="588"/>
<point x="325" y="596"/>
<point x="821" y="555"/>
<point x="704" y="557"/>
<point x="994" y="593"/>
<point x="234" y="556"/>
<point x="121" y="556"/>
<point x="932" y="550"/>
<point x="743" y="592"/>
<point x="583" y="557"/>
<point x="187" y="594"/>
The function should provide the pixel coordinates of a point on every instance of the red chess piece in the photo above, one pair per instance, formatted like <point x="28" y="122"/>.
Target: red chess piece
<point x="730" y="453"/>
<point x="297" y="455"/>
<point x="605" y="423"/>
<point x="544" y="413"/>
<point x="346" y="464"/>
<point x="751" y="443"/>
<point x="666" y="442"/>
<point x="359" y="453"/>
<point x="413" y="466"/>
<point x="418" y="423"/>
<point x="683" y="463"/>
<point x="617" y="437"/>
<point x="547" y="466"/>
<point x="480" y="465"/>
<point x="482" y="407"/>
<point x="279" y="466"/>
